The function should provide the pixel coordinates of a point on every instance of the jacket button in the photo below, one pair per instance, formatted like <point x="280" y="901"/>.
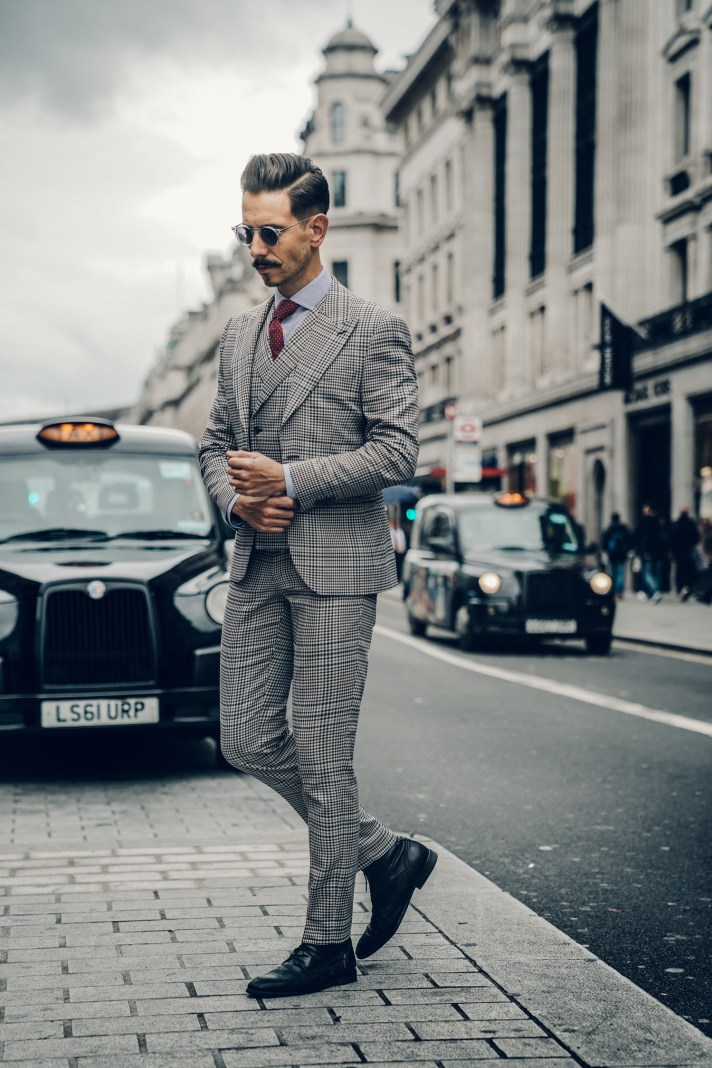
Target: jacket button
<point x="258" y="430"/>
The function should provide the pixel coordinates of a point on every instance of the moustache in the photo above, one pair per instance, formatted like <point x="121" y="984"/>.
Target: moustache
<point x="259" y="262"/>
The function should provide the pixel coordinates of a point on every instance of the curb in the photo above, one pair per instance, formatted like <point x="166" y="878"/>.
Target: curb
<point x="674" y="647"/>
<point x="597" y="1015"/>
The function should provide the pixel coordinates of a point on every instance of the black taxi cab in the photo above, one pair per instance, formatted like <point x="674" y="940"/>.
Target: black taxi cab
<point x="113" y="580"/>
<point x="505" y="565"/>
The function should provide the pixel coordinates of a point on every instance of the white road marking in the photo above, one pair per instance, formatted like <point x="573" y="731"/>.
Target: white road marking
<point x="561" y="689"/>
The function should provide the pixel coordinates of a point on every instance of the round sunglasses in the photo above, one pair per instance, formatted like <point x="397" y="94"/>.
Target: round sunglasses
<point x="270" y="235"/>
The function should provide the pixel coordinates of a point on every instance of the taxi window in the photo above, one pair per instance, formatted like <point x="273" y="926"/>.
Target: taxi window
<point x="533" y="529"/>
<point x="108" y="492"/>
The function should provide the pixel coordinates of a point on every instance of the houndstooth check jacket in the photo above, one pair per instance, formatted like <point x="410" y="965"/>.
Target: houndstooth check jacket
<point x="349" y="429"/>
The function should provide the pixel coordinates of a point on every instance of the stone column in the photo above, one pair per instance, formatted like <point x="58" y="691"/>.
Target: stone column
<point x="606" y="178"/>
<point x="517" y="235"/>
<point x="476" y="372"/>
<point x="682" y="465"/>
<point x="560" y="354"/>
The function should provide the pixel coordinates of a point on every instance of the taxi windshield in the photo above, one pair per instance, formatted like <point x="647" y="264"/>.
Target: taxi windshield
<point x="530" y="528"/>
<point x="98" y="494"/>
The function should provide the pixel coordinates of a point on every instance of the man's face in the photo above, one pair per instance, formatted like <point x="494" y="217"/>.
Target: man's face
<point x="290" y="263"/>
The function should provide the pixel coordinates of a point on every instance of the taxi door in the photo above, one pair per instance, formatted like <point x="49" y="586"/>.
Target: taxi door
<point x="440" y="562"/>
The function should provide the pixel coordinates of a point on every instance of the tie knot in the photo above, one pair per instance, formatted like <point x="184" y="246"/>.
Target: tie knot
<point x="284" y="308"/>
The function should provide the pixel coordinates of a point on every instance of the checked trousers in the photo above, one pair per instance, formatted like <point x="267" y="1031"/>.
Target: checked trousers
<point x="278" y="634"/>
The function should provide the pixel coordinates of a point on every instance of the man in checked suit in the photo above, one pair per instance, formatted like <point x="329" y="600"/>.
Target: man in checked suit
<point x="316" y="412"/>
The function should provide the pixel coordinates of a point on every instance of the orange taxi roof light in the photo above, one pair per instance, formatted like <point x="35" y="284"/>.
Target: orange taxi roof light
<point x="512" y="500"/>
<point x="78" y="432"/>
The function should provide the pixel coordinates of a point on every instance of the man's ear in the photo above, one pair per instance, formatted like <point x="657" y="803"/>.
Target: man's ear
<point x="318" y="224"/>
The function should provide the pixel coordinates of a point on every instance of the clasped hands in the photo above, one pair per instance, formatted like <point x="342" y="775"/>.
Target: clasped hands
<point x="260" y="482"/>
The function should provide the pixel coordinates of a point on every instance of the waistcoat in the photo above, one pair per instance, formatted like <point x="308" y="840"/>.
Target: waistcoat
<point x="266" y="413"/>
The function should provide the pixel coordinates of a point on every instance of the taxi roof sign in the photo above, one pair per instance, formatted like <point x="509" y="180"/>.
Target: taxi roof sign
<point x="512" y="499"/>
<point x="78" y="432"/>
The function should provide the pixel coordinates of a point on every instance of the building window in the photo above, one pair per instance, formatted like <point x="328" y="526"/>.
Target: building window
<point x="682" y="6"/>
<point x="435" y="287"/>
<point x="586" y="53"/>
<point x="562" y="474"/>
<point x="500" y="167"/>
<point x="418" y="221"/>
<point x="583" y="305"/>
<point x="539" y="134"/>
<point x="537" y="342"/>
<point x="683" y="101"/>
<point x="680" y="272"/>
<point x="449" y="378"/>
<point x="397" y="281"/>
<point x="337" y="122"/>
<point x="434" y="198"/>
<point x="340" y="271"/>
<point x="450" y="279"/>
<point x="434" y="100"/>
<point x="396" y="189"/>
<point x="338" y="182"/>
<point x="448" y="185"/>
<point x="421" y="297"/>
<point x="498" y="360"/>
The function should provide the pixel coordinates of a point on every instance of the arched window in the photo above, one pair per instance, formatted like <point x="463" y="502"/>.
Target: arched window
<point x="337" y="122"/>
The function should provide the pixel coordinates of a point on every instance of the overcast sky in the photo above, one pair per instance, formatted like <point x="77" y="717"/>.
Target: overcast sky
<point x="124" y="127"/>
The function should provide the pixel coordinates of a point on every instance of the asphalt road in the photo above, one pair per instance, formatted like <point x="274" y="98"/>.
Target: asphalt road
<point x="596" y="818"/>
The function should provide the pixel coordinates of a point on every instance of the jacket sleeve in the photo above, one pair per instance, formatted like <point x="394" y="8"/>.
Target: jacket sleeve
<point x="389" y="397"/>
<point x="219" y="434"/>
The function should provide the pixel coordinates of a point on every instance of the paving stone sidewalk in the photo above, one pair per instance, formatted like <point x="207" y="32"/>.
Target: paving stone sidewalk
<point x="116" y="955"/>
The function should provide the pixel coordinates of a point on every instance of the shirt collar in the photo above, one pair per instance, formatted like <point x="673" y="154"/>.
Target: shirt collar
<point x="311" y="294"/>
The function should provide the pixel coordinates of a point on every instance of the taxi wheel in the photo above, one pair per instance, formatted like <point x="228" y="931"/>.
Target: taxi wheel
<point x="417" y="626"/>
<point x="599" y="644"/>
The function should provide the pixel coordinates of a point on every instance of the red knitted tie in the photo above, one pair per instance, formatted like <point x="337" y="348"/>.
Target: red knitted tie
<point x="274" y="330"/>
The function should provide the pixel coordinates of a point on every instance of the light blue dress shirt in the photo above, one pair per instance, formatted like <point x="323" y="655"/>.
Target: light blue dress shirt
<point x="307" y="298"/>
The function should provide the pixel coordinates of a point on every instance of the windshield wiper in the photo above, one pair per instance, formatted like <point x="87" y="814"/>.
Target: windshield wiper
<point x="58" y="534"/>
<point x="157" y="535"/>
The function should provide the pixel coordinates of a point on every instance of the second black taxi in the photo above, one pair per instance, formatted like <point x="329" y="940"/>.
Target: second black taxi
<point x="505" y="565"/>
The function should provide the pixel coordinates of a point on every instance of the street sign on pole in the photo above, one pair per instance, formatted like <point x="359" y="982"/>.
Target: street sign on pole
<point x="467" y="429"/>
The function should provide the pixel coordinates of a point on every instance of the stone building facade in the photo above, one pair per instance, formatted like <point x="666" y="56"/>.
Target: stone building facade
<point x="180" y="387"/>
<point x="556" y="153"/>
<point x="349" y="139"/>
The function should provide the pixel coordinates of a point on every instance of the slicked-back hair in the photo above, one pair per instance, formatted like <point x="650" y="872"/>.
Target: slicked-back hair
<point x="306" y="185"/>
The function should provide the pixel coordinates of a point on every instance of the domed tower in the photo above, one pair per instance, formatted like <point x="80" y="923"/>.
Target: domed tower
<point x="349" y="139"/>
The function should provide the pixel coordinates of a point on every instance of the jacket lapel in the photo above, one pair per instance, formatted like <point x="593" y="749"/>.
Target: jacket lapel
<point x="325" y="334"/>
<point x="242" y="366"/>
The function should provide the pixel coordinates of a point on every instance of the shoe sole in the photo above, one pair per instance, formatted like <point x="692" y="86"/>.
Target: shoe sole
<point x="299" y="993"/>
<point x="427" y="869"/>
<point x="424" y="874"/>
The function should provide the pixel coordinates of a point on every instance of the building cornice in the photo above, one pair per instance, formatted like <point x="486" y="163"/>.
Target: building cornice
<point x="420" y="66"/>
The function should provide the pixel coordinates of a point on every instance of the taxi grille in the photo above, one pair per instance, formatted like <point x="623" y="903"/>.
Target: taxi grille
<point x="551" y="593"/>
<point x="97" y="642"/>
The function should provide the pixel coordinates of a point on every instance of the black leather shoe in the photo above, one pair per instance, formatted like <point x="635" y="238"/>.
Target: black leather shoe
<point x="392" y="880"/>
<point x="307" y="969"/>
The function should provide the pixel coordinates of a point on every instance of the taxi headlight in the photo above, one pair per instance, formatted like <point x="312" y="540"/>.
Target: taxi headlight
<point x="215" y="601"/>
<point x="489" y="582"/>
<point x="8" y="614"/>
<point x="600" y="583"/>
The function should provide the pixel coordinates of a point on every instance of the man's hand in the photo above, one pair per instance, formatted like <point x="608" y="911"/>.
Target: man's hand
<point x="270" y="515"/>
<point x="254" y="474"/>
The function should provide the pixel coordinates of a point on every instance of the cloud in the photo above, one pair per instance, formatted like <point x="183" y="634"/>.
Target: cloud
<point x="72" y="56"/>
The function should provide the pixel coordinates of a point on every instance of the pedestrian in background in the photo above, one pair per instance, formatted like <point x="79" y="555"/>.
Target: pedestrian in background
<point x="684" y="539"/>
<point x="323" y="384"/>
<point x="616" y="541"/>
<point x="648" y="544"/>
